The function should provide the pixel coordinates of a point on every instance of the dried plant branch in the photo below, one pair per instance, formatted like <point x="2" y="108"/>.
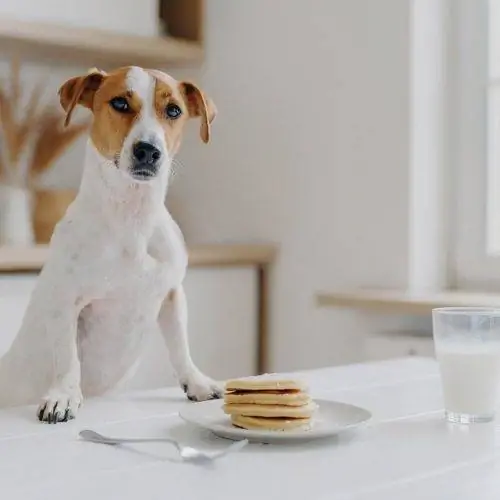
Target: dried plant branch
<point x="16" y="129"/>
<point x="52" y="140"/>
<point x="9" y="126"/>
<point x="3" y="169"/>
<point x="35" y="100"/>
<point x="30" y="133"/>
<point x="15" y="82"/>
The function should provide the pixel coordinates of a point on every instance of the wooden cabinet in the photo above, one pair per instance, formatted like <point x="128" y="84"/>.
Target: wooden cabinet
<point x="224" y="293"/>
<point x="15" y="292"/>
<point x="222" y="328"/>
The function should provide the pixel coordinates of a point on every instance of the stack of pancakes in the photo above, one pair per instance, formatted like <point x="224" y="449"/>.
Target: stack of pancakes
<point x="268" y="403"/>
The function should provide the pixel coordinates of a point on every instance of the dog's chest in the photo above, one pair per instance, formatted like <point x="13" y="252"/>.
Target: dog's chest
<point x="140" y="277"/>
<point x="133" y="260"/>
<point x="146" y="279"/>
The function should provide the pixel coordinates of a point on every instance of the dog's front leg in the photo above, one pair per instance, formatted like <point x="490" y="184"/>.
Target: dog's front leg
<point x="173" y="325"/>
<point x="64" y="397"/>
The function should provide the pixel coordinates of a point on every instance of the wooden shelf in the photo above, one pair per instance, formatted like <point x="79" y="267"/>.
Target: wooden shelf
<point x="33" y="41"/>
<point x="405" y="302"/>
<point x="31" y="259"/>
<point x="231" y="255"/>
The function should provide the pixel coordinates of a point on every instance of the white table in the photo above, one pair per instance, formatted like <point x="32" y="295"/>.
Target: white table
<point x="406" y="453"/>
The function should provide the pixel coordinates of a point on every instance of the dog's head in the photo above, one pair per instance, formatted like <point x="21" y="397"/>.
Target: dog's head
<point x="139" y="115"/>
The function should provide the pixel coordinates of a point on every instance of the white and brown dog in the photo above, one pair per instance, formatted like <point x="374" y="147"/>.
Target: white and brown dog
<point x="117" y="258"/>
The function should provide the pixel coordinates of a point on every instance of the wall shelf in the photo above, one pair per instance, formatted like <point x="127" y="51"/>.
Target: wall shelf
<point x="405" y="302"/>
<point x="37" y="41"/>
<point x="31" y="259"/>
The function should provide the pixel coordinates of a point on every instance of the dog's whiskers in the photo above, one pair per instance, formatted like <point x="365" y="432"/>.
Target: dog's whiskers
<point x="175" y="167"/>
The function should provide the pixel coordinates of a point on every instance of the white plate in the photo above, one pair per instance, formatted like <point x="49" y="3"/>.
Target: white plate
<point x="330" y="419"/>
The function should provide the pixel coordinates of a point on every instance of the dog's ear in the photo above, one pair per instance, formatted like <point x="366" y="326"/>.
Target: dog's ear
<point x="199" y="105"/>
<point x="80" y="90"/>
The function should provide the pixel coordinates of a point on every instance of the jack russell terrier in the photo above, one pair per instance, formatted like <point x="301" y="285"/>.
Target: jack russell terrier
<point x="117" y="258"/>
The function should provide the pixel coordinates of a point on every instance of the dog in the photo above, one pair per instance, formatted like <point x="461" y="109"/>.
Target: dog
<point x="117" y="259"/>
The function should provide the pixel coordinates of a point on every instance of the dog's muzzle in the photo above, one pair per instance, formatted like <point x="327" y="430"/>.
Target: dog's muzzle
<point x="146" y="159"/>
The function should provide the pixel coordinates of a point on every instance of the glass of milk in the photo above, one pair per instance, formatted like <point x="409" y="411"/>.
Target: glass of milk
<point x="467" y="345"/>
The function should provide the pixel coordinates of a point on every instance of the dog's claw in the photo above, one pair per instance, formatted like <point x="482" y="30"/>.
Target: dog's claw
<point x="58" y="408"/>
<point x="40" y="413"/>
<point x="212" y="395"/>
<point x="198" y="387"/>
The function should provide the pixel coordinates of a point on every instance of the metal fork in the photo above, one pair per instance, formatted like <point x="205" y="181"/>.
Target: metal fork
<point x="186" y="452"/>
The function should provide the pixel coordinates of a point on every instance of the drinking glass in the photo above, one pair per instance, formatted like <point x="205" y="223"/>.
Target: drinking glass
<point x="467" y="346"/>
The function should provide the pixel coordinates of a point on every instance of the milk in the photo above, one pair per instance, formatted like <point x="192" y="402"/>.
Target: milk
<point x="470" y="377"/>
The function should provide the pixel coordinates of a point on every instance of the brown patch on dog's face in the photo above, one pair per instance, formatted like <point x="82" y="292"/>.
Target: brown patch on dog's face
<point x="169" y="100"/>
<point x="193" y="102"/>
<point x="110" y="128"/>
<point x="95" y="91"/>
<point x="132" y="105"/>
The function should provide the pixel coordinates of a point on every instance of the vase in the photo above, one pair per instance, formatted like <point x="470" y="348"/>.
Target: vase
<point x="16" y="224"/>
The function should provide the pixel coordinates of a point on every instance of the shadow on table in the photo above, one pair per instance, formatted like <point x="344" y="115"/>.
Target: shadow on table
<point x="157" y="398"/>
<point x="195" y="436"/>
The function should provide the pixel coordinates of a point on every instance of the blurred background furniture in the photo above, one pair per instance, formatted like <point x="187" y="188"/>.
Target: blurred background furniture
<point x="226" y="289"/>
<point x="378" y="177"/>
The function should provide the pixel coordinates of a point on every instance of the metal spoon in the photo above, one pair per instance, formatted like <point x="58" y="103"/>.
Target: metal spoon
<point x="186" y="452"/>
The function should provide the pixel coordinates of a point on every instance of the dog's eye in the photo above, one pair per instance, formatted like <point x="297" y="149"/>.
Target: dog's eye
<point x="173" y="111"/>
<point x="120" y="104"/>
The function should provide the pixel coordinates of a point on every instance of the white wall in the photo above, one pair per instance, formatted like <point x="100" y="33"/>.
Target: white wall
<point x="310" y="150"/>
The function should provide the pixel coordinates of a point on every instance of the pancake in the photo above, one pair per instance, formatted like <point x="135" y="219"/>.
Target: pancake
<point x="269" y="382"/>
<point x="269" y="402"/>
<point x="271" y="424"/>
<point x="271" y="411"/>
<point x="293" y="398"/>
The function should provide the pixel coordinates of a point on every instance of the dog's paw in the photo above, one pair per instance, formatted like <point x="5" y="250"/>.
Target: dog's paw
<point x="59" y="406"/>
<point x="199" y="387"/>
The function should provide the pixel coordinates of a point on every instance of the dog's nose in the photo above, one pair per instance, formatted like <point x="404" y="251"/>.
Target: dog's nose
<point x="146" y="154"/>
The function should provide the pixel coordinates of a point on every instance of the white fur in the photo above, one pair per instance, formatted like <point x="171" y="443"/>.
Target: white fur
<point x="114" y="276"/>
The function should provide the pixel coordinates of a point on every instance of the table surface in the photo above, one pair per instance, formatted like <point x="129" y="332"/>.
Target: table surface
<point x="406" y="452"/>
